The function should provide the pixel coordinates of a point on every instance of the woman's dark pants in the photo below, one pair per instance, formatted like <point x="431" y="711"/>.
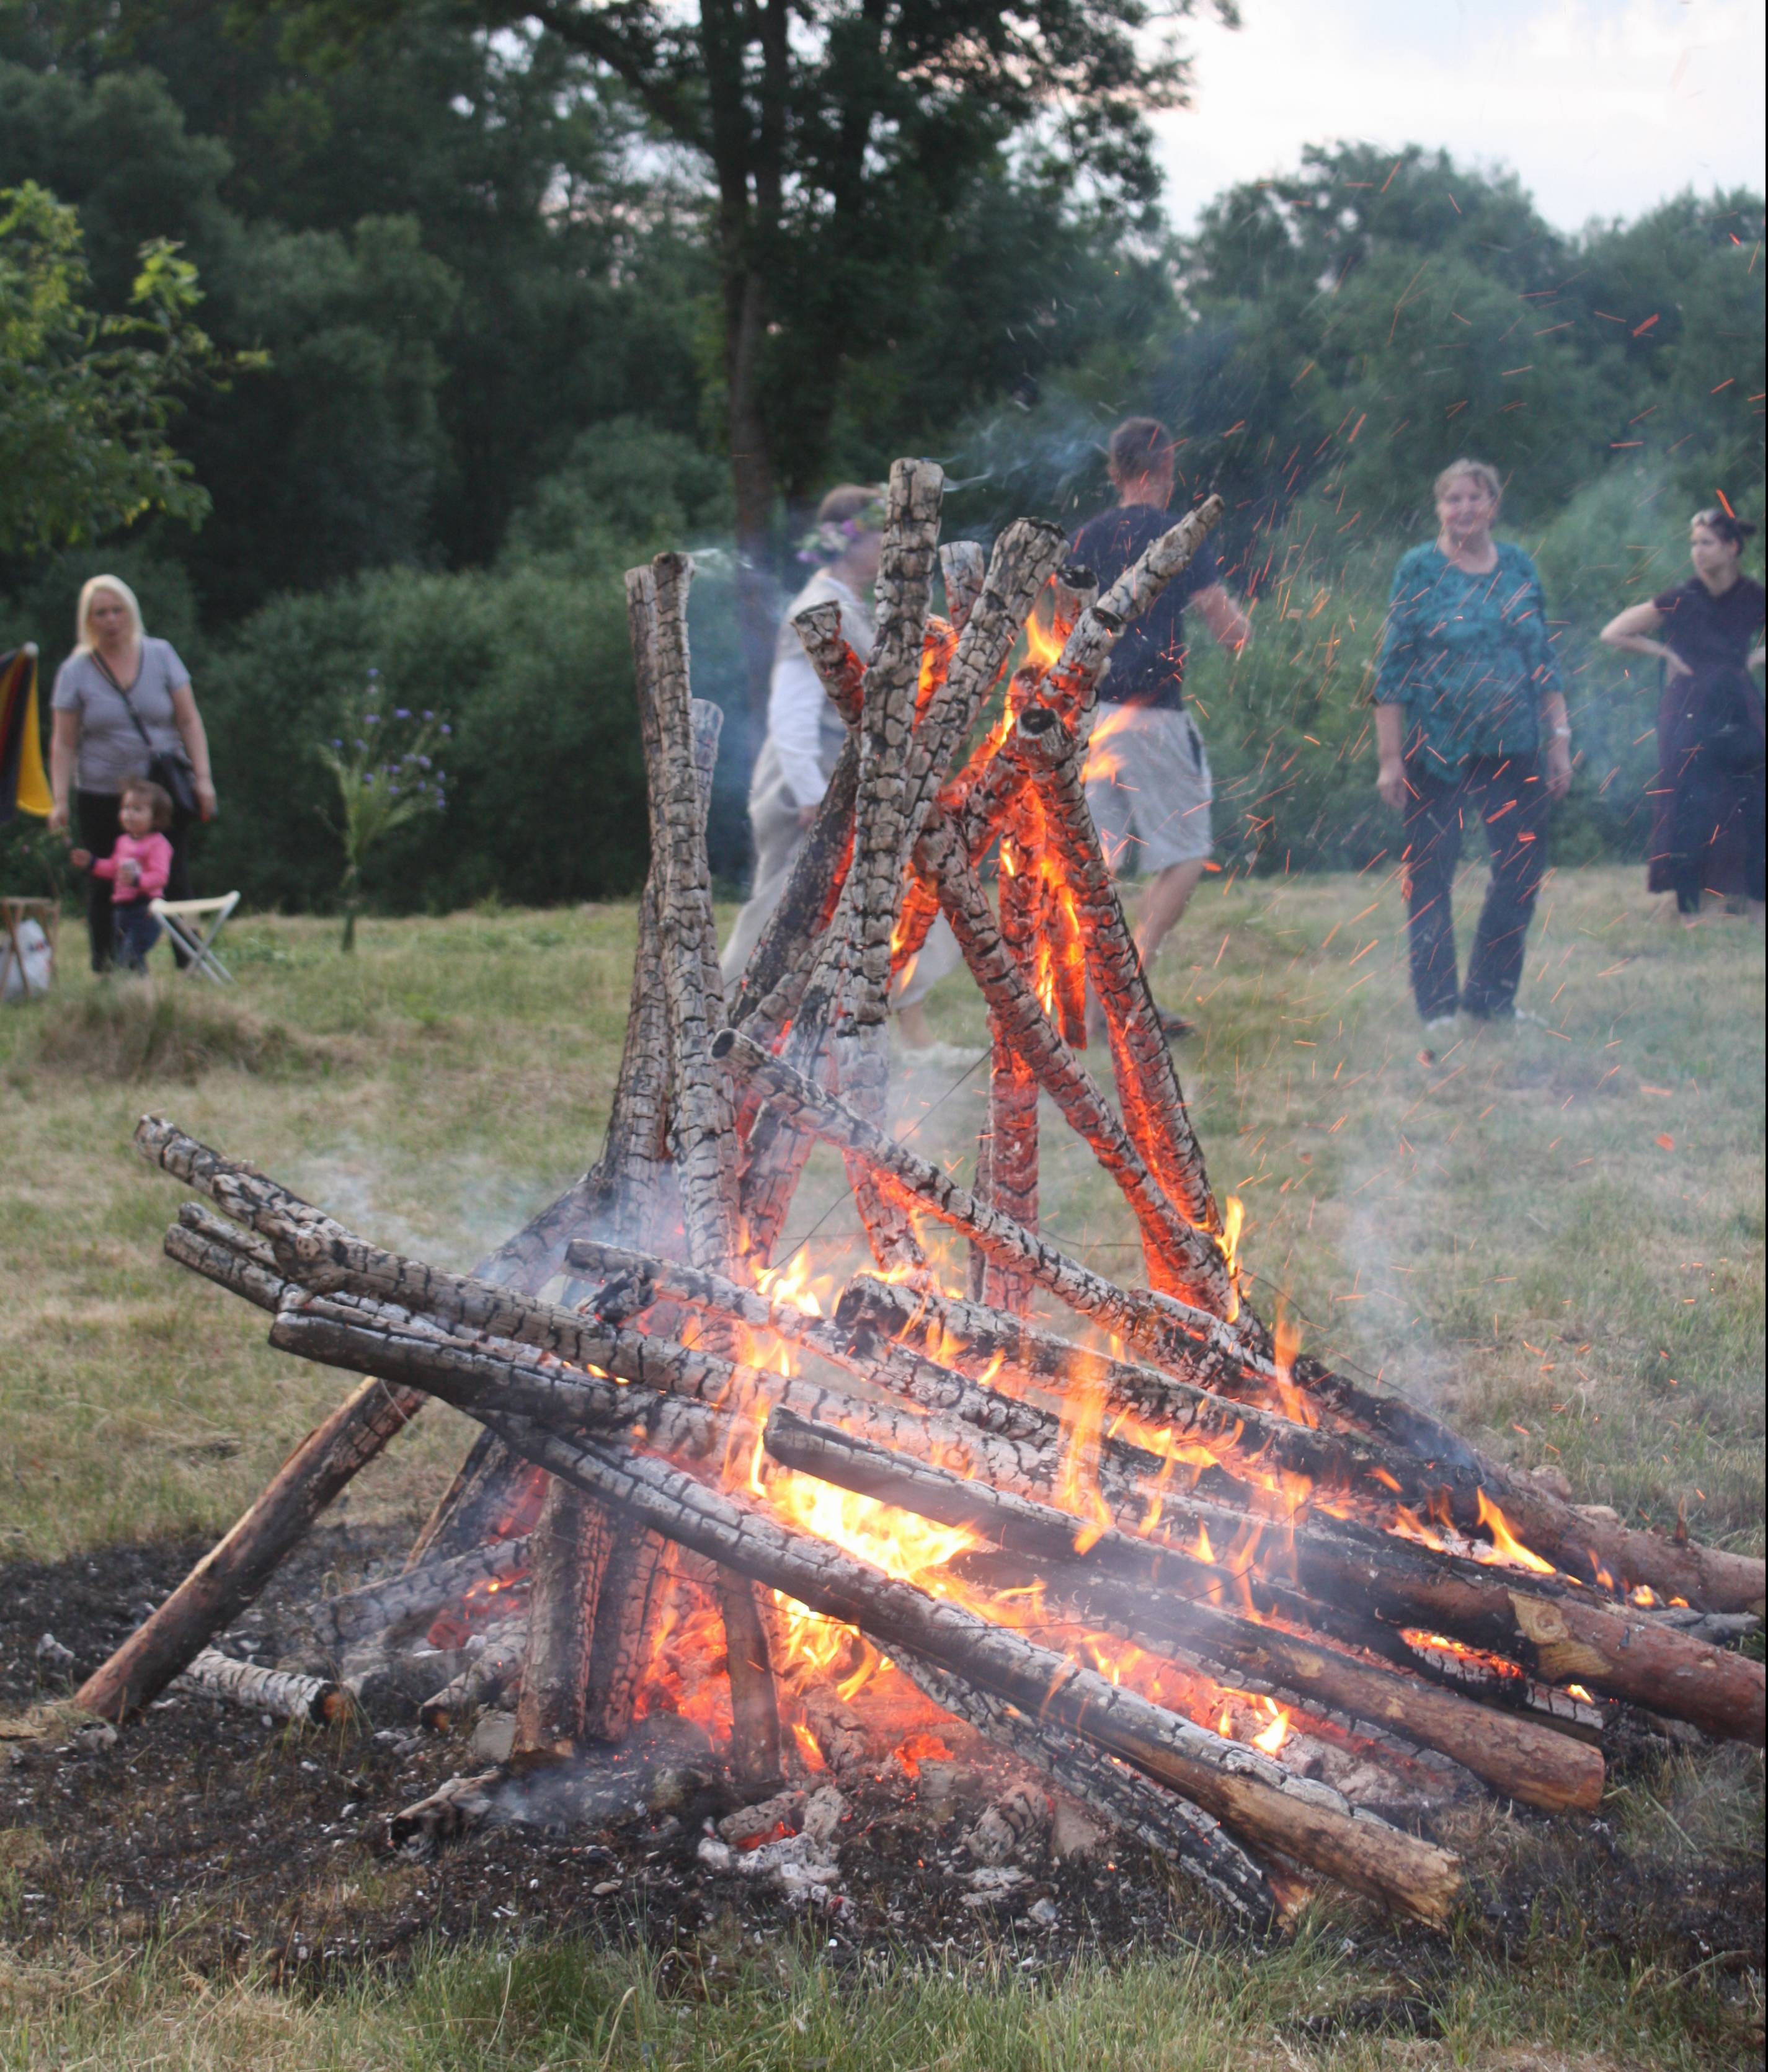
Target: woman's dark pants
<point x="1715" y="806"/>
<point x="1507" y="797"/>
<point x="96" y="813"/>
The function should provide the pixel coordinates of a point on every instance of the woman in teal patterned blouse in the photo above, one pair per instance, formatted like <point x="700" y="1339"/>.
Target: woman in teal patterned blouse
<point x="1469" y="720"/>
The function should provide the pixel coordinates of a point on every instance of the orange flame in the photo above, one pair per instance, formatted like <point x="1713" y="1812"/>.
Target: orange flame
<point x="1295" y="1404"/>
<point x="1077" y="1486"/>
<point x="1275" y="1735"/>
<point x="1506" y="1546"/>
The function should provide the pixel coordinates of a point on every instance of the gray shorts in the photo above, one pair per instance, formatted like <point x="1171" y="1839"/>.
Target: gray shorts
<point x="1149" y="787"/>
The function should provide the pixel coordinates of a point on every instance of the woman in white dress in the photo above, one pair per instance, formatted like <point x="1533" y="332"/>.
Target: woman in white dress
<point x="805" y="736"/>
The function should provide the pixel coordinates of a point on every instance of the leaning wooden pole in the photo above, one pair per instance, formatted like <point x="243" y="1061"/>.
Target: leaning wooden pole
<point x="230" y="1576"/>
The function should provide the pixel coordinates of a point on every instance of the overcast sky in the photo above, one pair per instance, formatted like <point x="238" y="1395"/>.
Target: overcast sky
<point x="1604" y="107"/>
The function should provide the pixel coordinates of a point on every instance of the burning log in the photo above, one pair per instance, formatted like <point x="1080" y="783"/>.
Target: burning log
<point x="755" y="1712"/>
<point x="1188" y="1256"/>
<point x="413" y="1597"/>
<point x="1154" y="1110"/>
<point x="998" y="1235"/>
<point x="1109" y="1576"/>
<point x="631" y="1585"/>
<point x="1245" y="1442"/>
<point x="570" y="1548"/>
<point x="1553" y="1630"/>
<point x="1023" y="558"/>
<point x="1008" y="1180"/>
<point x="1252" y="1795"/>
<point x="838" y="668"/>
<point x="279" y="1692"/>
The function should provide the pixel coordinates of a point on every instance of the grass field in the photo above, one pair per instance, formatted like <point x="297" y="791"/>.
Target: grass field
<point x="1553" y="1234"/>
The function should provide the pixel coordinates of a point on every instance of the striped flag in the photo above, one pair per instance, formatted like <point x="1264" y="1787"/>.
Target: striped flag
<point x="23" y="787"/>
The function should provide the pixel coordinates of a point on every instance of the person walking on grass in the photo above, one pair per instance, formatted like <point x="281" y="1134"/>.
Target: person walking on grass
<point x="1147" y="776"/>
<point x="123" y="704"/>
<point x="1708" y="834"/>
<point x="1470" y="724"/>
<point x="805" y="736"/>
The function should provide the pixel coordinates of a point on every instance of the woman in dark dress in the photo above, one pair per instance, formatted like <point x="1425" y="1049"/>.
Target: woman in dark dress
<point x="1708" y="832"/>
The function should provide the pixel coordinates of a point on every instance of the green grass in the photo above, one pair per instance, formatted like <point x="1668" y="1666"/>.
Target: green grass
<point x="1555" y="1236"/>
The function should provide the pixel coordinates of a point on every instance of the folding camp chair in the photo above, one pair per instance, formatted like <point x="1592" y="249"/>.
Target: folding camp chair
<point x="184" y="921"/>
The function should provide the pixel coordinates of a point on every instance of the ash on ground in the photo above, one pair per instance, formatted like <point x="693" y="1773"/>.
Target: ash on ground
<point x="259" y="1842"/>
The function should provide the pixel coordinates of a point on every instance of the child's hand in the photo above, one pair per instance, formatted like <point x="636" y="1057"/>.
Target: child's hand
<point x="80" y="858"/>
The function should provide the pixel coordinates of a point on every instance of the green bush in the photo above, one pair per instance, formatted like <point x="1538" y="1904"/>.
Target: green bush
<point x="532" y="670"/>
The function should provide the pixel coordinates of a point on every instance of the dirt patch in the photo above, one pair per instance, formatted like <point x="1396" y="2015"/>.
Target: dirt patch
<point x="256" y="1843"/>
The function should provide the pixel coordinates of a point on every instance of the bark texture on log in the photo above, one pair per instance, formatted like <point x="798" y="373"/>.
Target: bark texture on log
<point x="1247" y="1443"/>
<point x="755" y="1712"/>
<point x="237" y="1567"/>
<point x="415" y="1595"/>
<point x="570" y="1548"/>
<point x="657" y="599"/>
<point x="625" y="1614"/>
<point x="1154" y="1110"/>
<point x="964" y="567"/>
<point x="279" y="1692"/>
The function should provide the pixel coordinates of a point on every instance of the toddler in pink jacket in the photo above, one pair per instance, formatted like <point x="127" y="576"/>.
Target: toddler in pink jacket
<point x="138" y="868"/>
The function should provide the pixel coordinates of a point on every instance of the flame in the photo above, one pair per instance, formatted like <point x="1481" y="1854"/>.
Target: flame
<point x="1203" y="1550"/>
<point x="907" y="1548"/>
<point x="937" y="649"/>
<point x="807" y="1746"/>
<point x="1233" y="1217"/>
<point x="1506" y="1546"/>
<point x="1275" y="1735"/>
<point x="1043" y="649"/>
<point x="1077" y="1486"/>
<point x="792" y="1283"/>
<point x="1103" y="762"/>
<point x="1295" y="1404"/>
<point x="1643" y="1595"/>
<point x="1408" y="1525"/>
<point x="1577" y="1690"/>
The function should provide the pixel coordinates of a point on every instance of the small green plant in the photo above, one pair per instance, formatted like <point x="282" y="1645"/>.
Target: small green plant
<point x="386" y="765"/>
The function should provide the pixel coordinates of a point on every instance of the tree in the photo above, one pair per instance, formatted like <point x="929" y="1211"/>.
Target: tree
<point x="837" y="138"/>
<point x="86" y="399"/>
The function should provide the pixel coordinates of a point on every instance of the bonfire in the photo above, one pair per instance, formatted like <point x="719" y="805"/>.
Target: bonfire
<point x="1268" y="1618"/>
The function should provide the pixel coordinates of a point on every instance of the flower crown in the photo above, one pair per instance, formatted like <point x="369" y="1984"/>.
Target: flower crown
<point x="829" y="541"/>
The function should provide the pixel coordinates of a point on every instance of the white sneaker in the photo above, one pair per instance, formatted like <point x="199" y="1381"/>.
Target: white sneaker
<point x="1441" y="1021"/>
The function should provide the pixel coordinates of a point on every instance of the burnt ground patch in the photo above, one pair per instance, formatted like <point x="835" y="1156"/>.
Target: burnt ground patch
<point x="246" y="1844"/>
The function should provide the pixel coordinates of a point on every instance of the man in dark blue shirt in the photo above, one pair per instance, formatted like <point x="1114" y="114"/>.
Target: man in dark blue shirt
<point x="1148" y="778"/>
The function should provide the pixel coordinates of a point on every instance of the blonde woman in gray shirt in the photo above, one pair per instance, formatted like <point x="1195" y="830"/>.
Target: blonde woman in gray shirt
<point x="121" y="699"/>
